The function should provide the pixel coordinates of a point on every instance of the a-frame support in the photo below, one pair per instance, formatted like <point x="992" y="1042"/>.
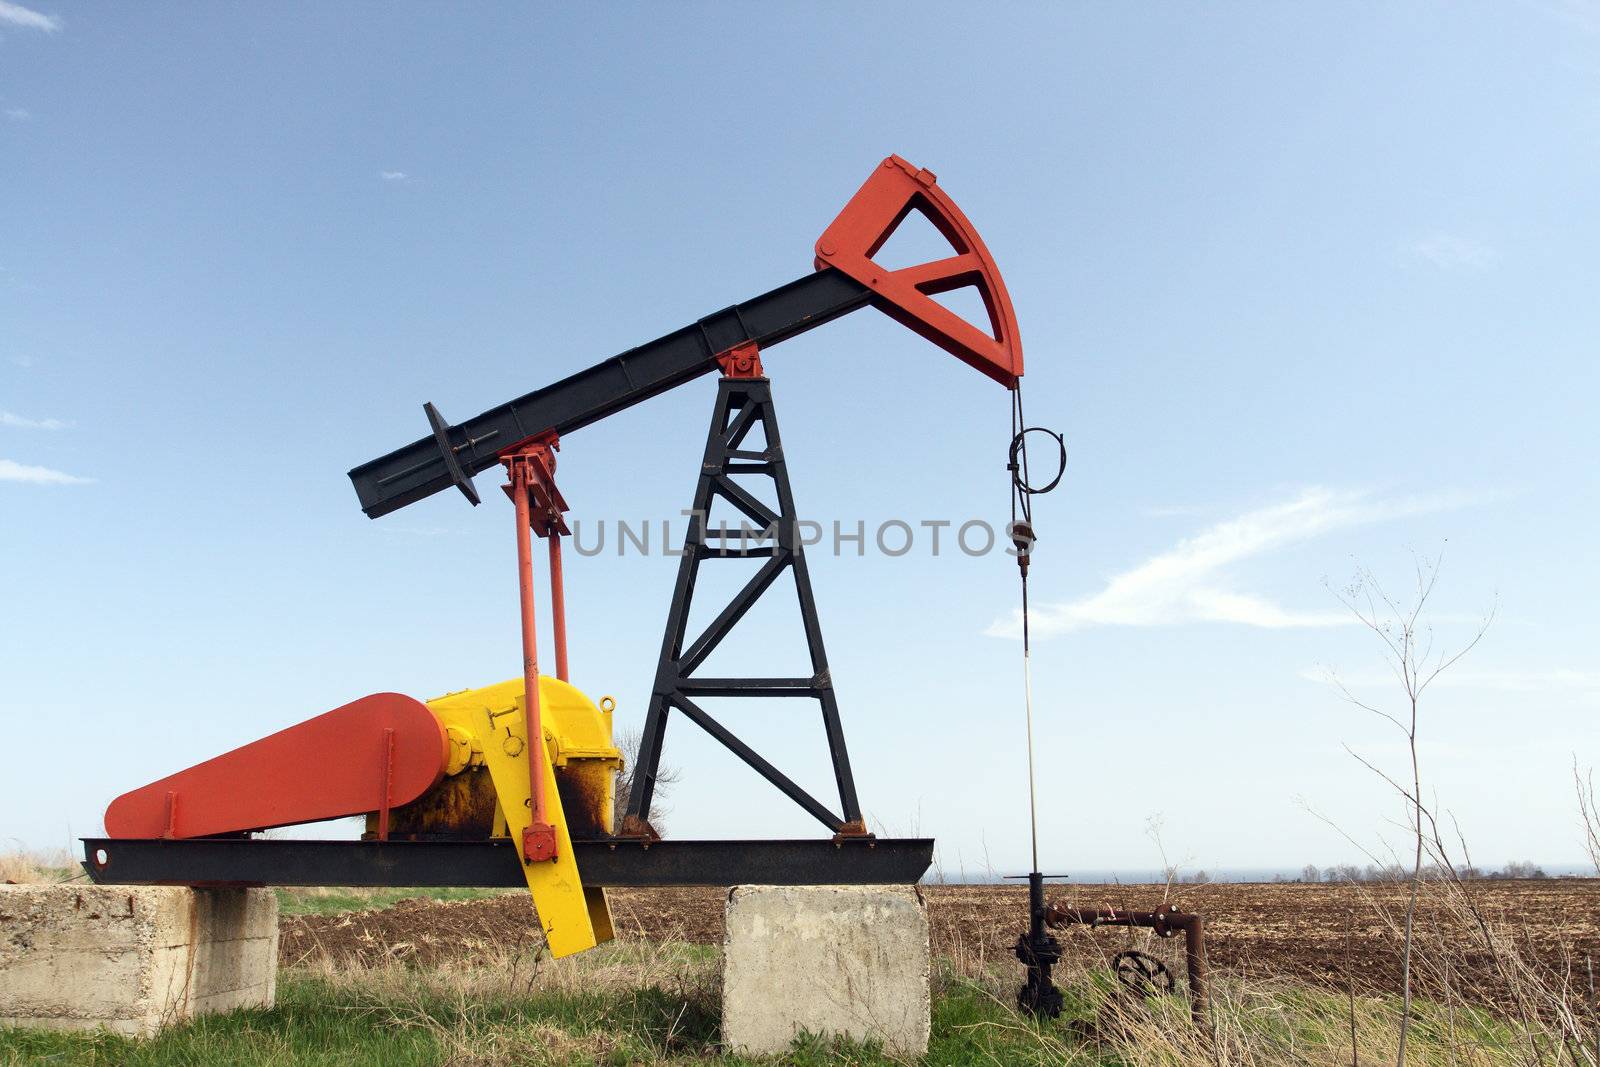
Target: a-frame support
<point x="744" y="403"/>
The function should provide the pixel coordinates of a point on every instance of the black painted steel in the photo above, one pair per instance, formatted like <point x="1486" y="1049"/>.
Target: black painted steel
<point x="423" y="468"/>
<point x="620" y="862"/>
<point x="1038" y="951"/>
<point x="743" y="405"/>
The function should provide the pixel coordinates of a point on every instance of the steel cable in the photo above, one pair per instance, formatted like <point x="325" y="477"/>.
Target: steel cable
<point x="1022" y="536"/>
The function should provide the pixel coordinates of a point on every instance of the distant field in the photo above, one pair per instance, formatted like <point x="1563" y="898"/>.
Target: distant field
<point x="1324" y="932"/>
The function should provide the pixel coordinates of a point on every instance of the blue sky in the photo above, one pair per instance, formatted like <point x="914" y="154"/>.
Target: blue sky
<point x="1306" y="290"/>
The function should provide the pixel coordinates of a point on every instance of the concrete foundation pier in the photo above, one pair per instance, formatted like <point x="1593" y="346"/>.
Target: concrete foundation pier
<point x="133" y="959"/>
<point x="835" y="960"/>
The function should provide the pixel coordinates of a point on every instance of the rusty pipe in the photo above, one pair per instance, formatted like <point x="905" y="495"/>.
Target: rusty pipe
<point x="1165" y="922"/>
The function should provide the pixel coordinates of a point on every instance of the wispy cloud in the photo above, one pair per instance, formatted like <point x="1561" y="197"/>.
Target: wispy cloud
<point x="1189" y="582"/>
<point x="29" y="19"/>
<point x="18" y="114"/>
<point x="394" y="175"/>
<point x="1449" y="251"/>
<point x="21" y="472"/>
<point x="20" y="423"/>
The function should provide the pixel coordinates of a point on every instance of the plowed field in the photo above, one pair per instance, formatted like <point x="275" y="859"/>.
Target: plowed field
<point x="1325" y="933"/>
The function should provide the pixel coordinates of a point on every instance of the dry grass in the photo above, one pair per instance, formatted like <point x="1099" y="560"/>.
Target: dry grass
<point x="523" y="969"/>
<point x="1253" y="1024"/>
<point x="1487" y="999"/>
<point x="629" y="1001"/>
<point x="1256" y="1023"/>
<point x="35" y="868"/>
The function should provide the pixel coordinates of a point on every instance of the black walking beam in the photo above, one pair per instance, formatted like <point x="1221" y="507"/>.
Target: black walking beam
<point x="422" y="468"/>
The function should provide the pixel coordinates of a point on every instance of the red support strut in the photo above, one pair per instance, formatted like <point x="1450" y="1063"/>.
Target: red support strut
<point x="531" y="469"/>
<point x="558" y="607"/>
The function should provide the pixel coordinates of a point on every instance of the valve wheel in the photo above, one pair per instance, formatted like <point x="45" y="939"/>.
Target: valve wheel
<point x="1142" y="974"/>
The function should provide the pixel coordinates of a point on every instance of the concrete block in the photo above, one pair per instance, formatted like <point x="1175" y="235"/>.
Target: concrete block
<point x="133" y="958"/>
<point x="836" y="960"/>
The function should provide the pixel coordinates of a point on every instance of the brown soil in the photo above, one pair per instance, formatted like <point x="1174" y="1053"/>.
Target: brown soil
<point x="1324" y="933"/>
<point x="428" y="932"/>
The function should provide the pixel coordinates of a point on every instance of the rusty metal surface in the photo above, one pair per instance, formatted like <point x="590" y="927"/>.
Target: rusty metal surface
<point x="462" y="806"/>
<point x="1165" y="922"/>
<point x="586" y="788"/>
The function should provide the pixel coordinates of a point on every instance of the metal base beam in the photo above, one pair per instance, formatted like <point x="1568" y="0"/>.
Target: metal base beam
<point x="607" y="862"/>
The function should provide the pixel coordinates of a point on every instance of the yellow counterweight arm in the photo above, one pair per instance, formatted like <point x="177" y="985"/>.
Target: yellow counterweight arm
<point x="577" y="739"/>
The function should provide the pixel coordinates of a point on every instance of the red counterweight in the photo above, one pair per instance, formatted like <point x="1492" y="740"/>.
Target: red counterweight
<point x="372" y="754"/>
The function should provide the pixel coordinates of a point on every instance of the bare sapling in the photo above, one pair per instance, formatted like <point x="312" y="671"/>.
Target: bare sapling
<point x="666" y="778"/>
<point x="1403" y="627"/>
<point x="1588" y="812"/>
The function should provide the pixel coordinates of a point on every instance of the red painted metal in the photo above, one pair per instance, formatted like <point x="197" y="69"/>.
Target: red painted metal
<point x="531" y="468"/>
<point x="388" y="784"/>
<point x="742" y="361"/>
<point x="530" y="649"/>
<point x="894" y="191"/>
<point x="325" y="768"/>
<point x="558" y="607"/>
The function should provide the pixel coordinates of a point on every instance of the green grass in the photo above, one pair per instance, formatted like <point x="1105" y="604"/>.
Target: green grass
<point x="639" y="1002"/>
<point x="332" y="901"/>
<point x="315" y="1023"/>
<point x="308" y="1026"/>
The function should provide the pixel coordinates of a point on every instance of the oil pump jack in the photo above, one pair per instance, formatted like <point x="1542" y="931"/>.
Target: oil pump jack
<point x="513" y="784"/>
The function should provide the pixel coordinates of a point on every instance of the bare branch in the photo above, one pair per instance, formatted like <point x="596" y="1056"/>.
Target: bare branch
<point x="1344" y="691"/>
<point x="1396" y="786"/>
<point x="1483" y="628"/>
<point x="1371" y="856"/>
